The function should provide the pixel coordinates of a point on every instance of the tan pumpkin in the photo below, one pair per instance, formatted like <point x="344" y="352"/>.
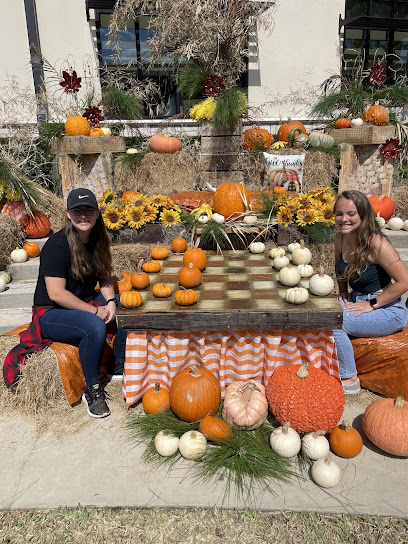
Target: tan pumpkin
<point x="131" y="299"/>
<point x="190" y="276"/>
<point x="215" y="429"/>
<point x="194" y="393"/>
<point x="139" y="279"/>
<point x="163" y="143"/>
<point x="245" y="406"/>
<point x="32" y="249"/>
<point x="38" y="226"/>
<point x="76" y="125"/>
<point x="231" y="200"/>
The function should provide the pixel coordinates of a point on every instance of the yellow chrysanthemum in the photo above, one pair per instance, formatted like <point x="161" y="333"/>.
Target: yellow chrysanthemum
<point x="150" y="212"/>
<point x="12" y="195"/>
<point x="284" y="216"/>
<point x="135" y="216"/>
<point x="327" y="215"/>
<point x="308" y="216"/>
<point x="113" y="218"/>
<point x="203" y="110"/>
<point x="107" y="197"/>
<point x="169" y="218"/>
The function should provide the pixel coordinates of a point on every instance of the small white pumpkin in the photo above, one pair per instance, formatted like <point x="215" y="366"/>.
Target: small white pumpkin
<point x="289" y="275"/>
<point x="2" y="284"/>
<point x="302" y="254"/>
<point x="192" y="445"/>
<point x="250" y="219"/>
<point x="325" y="472"/>
<point x="18" y="255"/>
<point x="280" y="262"/>
<point x="296" y="295"/>
<point x="306" y="270"/>
<point x="405" y="227"/>
<point x="380" y="220"/>
<point x="395" y="223"/>
<point x="357" y="122"/>
<point x="304" y="282"/>
<point x="321" y="284"/>
<point x="166" y="443"/>
<point x="285" y="441"/>
<point x="203" y="219"/>
<point x="131" y="151"/>
<point x="315" y="445"/>
<point x="106" y="131"/>
<point x="6" y="276"/>
<point x="277" y="252"/>
<point x="293" y="246"/>
<point x="256" y="247"/>
<point x="218" y="218"/>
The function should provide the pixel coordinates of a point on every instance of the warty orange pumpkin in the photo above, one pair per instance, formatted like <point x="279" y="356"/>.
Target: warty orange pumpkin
<point x="256" y="138"/>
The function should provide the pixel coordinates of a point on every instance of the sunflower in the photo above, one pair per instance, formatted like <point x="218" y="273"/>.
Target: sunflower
<point x="107" y="197"/>
<point x="326" y="199"/>
<point x="318" y="190"/>
<point x="158" y="200"/>
<point x="113" y="218"/>
<point x="304" y="201"/>
<point x="134" y="201"/>
<point x="169" y="218"/>
<point x="308" y="216"/>
<point x="284" y="216"/>
<point x="135" y="216"/>
<point x="291" y="203"/>
<point x="327" y="215"/>
<point x="150" y="212"/>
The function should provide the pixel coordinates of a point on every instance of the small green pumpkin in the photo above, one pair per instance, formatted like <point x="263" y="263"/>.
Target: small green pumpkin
<point x="320" y="139"/>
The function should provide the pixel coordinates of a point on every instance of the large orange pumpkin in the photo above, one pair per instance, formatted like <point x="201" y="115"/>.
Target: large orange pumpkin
<point x="307" y="397"/>
<point x="215" y="429"/>
<point x="345" y="441"/>
<point x="385" y="423"/>
<point x="38" y="226"/>
<point x="382" y="204"/>
<point x="76" y="125"/>
<point x="156" y="400"/>
<point x="256" y="138"/>
<point x="231" y="200"/>
<point x="163" y="143"/>
<point x="16" y="210"/>
<point x="376" y="115"/>
<point x="286" y="129"/>
<point x="194" y="393"/>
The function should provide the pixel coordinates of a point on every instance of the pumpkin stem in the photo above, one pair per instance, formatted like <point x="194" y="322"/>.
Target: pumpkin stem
<point x="193" y="435"/>
<point x="399" y="402"/>
<point x="302" y="244"/>
<point x="318" y="433"/>
<point x="194" y="371"/>
<point x="285" y="428"/>
<point x="197" y="243"/>
<point x="156" y="388"/>
<point x="139" y="266"/>
<point x="321" y="270"/>
<point x="246" y="391"/>
<point x="328" y="460"/>
<point x="345" y="425"/>
<point x="302" y="372"/>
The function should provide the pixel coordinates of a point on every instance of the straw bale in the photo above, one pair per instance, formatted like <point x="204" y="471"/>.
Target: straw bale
<point x="126" y="256"/>
<point x="400" y="198"/>
<point x="157" y="173"/>
<point x="11" y="236"/>
<point x="52" y="206"/>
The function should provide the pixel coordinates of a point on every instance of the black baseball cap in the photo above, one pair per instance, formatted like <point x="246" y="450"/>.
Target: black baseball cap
<point x="81" y="197"/>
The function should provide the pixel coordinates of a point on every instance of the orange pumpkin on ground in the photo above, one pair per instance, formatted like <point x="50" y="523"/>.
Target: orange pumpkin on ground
<point x="95" y="131"/>
<point x="342" y="123"/>
<point x="231" y="200"/>
<point x="159" y="253"/>
<point x="194" y="393"/>
<point x="376" y="115"/>
<point x="139" y="279"/>
<point x="131" y="299"/>
<point x="156" y="400"/>
<point x="178" y="245"/>
<point x="256" y="138"/>
<point x="186" y="297"/>
<point x="190" y="276"/>
<point x="76" y="125"/>
<point x="307" y="397"/>
<point x="345" y="441"/>
<point x="286" y="129"/>
<point x="32" y="249"/>
<point x="385" y="423"/>
<point x="38" y="226"/>
<point x="162" y="290"/>
<point x="195" y="256"/>
<point x="163" y="143"/>
<point x="215" y="429"/>
<point x="151" y="267"/>
<point x="382" y="204"/>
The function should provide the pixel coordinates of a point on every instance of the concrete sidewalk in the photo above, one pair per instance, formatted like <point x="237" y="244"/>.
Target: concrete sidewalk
<point x="97" y="464"/>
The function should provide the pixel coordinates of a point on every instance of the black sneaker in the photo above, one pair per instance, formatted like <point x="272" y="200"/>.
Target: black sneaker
<point x="95" y="398"/>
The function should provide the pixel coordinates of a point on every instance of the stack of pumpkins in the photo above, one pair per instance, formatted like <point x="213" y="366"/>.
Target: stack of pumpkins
<point x="375" y="115"/>
<point x="384" y="207"/>
<point x="76" y="125"/>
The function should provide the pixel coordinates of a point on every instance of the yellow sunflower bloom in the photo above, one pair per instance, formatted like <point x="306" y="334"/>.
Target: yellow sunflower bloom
<point x="169" y="218"/>
<point x="327" y="199"/>
<point x="107" y="197"/>
<point x="327" y="215"/>
<point x="159" y="200"/>
<point x="291" y="204"/>
<point x="319" y="190"/>
<point x="308" y="216"/>
<point x="150" y="212"/>
<point x="304" y="201"/>
<point x="113" y="218"/>
<point x="135" y="201"/>
<point x="284" y="217"/>
<point x="135" y="216"/>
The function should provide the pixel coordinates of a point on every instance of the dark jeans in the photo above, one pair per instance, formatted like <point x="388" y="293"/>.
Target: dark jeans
<point x="87" y="329"/>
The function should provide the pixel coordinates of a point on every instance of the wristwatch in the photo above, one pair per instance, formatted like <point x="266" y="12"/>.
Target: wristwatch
<point x="112" y="300"/>
<point x="373" y="303"/>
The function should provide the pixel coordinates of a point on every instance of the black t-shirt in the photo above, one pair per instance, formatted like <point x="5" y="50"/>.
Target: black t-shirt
<point x="55" y="261"/>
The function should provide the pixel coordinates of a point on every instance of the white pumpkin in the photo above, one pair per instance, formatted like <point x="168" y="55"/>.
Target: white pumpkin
<point x="405" y="227"/>
<point x="285" y="441"/>
<point x="293" y="246"/>
<point x="325" y="472"/>
<point x="106" y="131"/>
<point x="2" y="284"/>
<point x="296" y="295"/>
<point x="315" y="445"/>
<point x="131" y="151"/>
<point x="321" y="284"/>
<point x="203" y="219"/>
<point x="6" y="276"/>
<point x="192" y="445"/>
<point x="302" y="254"/>
<point x="250" y="219"/>
<point x="277" y="252"/>
<point x="256" y="247"/>
<point x="358" y="122"/>
<point x="306" y="270"/>
<point x="395" y="223"/>
<point x="218" y="218"/>
<point x="289" y="275"/>
<point x="280" y="262"/>
<point x="380" y="220"/>
<point x="18" y="255"/>
<point x="166" y="443"/>
<point x="304" y="282"/>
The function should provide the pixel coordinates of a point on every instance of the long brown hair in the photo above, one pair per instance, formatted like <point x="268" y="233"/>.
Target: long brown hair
<point x="98" y="243"/>
<point x="364" y="234"/>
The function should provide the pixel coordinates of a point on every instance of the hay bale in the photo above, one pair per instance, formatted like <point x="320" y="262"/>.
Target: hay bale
<point x="157" y="173"/>
<point x="52" y="206"/>
<point x="400" y="198"/>
<point x="11" y="236"/>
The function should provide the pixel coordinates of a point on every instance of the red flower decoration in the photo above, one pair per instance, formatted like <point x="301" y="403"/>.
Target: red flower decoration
<point x="94" y="115"/>
<point x="72" y="83"/>
<point x="213" y="85"/>
<point x="377" y="74"/>
<point x="391" y="148"/>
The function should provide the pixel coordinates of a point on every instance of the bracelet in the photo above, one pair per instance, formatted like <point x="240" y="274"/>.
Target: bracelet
<point x="96" y="310"/>
<point x="112" y="300"/>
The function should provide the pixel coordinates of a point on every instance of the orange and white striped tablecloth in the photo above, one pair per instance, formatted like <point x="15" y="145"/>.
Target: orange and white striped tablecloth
<point x="158" y="356"/>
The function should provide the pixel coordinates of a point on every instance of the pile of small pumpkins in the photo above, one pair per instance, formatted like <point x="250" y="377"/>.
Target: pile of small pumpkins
<point x="296" y="272"/>
<point x="306" y="401"/>
<point x="190" y="276"/>
<point x="384" y="208"/>
<point x="375" y="115"/>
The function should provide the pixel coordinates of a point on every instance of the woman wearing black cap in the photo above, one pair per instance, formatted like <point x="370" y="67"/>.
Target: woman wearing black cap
<point x="71" y="263"/>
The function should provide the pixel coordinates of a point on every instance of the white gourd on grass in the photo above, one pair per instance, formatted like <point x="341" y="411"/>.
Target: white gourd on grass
<point x="166" y="443"/>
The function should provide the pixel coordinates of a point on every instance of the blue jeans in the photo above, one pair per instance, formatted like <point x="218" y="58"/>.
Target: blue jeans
<point x="87" y="329"/>
<point x="388" y="319"/>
